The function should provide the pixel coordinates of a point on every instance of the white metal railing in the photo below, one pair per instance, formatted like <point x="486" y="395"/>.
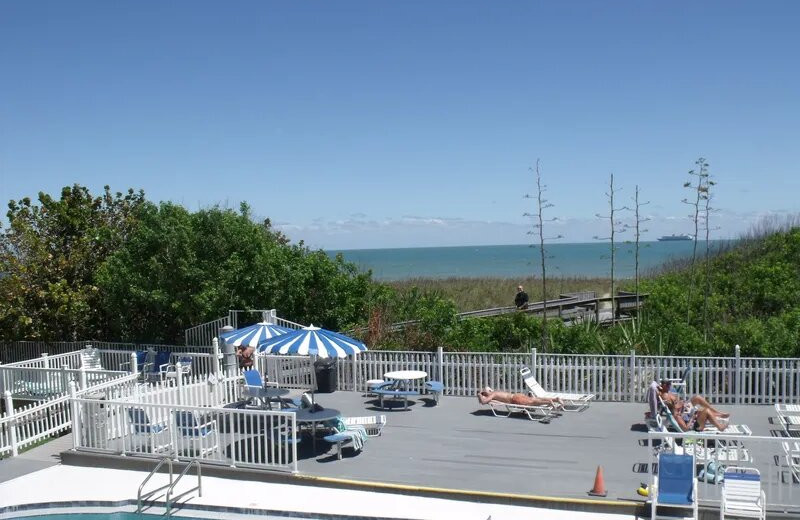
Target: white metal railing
<point x="15" y="351"/>
<point x="288" y="371"/>
<point x="44" y="383"/>
<point x="193" y="390"/>
<point x="766" y="454"/>
<point x="203" y="334"/>
<point x="45" y="360"/>
<point x="230" y="436"/>
<point x="25" y="426"/>
<point x="201" y="362"/>
<point x="727" y="380"/>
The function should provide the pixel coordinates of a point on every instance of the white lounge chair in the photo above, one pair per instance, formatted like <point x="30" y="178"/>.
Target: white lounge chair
<point x="731" y="429"/>
<point x="572" y="402"/>
<point x="373" y="424"/>
<point x="343" y="434"/>
<point x="90" y="358"/>
<point x="742" y="496"/>
<point x="792" y="450"/>
<point x="535" y="413"/>
<point x="787" y="409"/>
<point x="789" y="416"/>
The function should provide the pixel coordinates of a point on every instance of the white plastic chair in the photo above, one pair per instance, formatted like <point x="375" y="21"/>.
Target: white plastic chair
<point x="742" y="496"/>
<point x="572" y="402"/>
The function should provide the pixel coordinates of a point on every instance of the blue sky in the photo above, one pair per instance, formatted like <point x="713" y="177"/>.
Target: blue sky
<point x="363" y="124"/>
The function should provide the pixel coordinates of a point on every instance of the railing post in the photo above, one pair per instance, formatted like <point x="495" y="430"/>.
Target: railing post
<point x="12" y="425"/>
<point x="355" y="371"/>
<point x="134" y="364"/>
<point x="65" y="377"/>
<point x="75" y="413"/>
<point x="179" y="382"/>
<point x="738" y="374"/>
<point x="632" y="389"/>
<point x="82" y="372"/>
<point x="45" y="361"/>
<point x="534" y="354"/>
<point x="440" y="365"/>
<point x="215" y="354"/>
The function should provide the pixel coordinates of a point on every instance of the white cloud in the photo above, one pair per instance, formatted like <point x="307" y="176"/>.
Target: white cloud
<point x="361" y="232"/>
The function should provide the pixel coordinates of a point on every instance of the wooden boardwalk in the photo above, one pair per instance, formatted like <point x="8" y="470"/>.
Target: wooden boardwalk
<point x="571" y="308"/>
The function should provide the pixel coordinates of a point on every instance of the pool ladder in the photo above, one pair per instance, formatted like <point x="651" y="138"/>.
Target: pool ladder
<point x="140" y="497"/>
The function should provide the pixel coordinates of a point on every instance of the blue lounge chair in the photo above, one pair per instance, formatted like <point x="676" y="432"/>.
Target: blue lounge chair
<point x="674" y="488"/>
<point x="344" y="434"/>
<point x="254" y="386"/>
<point x="160" y="362"/>
<point x="153" y="435"/>
<point x="201" y="439"/>
<point x="141" y="363"/>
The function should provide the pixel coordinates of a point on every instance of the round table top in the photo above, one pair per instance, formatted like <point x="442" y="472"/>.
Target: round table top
<point x="326" y="414"/>
<point x="406" y="375"/>
<point x="275" y="392"/>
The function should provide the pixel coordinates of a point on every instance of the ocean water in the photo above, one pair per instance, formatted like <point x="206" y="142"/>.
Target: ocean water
<point x="568" y="260"/>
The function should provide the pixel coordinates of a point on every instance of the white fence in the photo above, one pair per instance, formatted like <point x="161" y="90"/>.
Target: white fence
<point x="288" y="371"/>
<point x="727" y="380"/>
<point x="35" y="422"/>
<point x="766" y="454"/>
<point x="44" y="383"/>
<point x="149" y="422"/>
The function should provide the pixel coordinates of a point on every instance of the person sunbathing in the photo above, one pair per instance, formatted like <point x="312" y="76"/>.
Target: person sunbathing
<point x="694" y="413"/>
<point x="487" y="394"/>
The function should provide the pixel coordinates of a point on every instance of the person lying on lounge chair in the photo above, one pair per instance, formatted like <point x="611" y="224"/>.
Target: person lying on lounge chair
<point x="692" y="414"/>
<point x="487" y="394"/>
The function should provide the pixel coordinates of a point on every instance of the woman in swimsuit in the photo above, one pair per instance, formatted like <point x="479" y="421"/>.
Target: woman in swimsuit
<point x="692" y="414"/>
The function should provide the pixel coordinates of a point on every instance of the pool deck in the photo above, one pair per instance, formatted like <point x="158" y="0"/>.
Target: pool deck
<point x="460" y="444"/>
<point x="455" y="445"/>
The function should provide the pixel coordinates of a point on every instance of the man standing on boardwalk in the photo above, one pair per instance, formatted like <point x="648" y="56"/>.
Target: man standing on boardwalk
<point x="521" y="299"/>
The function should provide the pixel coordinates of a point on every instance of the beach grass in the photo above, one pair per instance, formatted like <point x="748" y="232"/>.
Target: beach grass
<point x="487" y="292"/>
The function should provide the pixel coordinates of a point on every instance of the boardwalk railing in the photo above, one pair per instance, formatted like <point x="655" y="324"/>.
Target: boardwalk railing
<point x="728" y="380"/>
<point x="766" y="454"/>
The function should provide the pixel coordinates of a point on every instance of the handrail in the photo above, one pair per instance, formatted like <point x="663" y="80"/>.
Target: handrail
<point x="139" y="495"/>
<point x="199" y="488"/>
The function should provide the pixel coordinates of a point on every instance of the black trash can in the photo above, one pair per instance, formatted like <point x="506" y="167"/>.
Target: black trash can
<point x="325" y="370"/>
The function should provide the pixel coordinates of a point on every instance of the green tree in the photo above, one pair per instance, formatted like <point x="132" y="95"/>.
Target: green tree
<point x="50" y="253"/>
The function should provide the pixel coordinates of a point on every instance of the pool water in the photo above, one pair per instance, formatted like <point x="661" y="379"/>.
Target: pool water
<point x="104" y="516"/>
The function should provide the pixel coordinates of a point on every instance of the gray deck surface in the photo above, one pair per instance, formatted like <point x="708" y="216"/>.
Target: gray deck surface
<point x="40" y="457"/>
<point x="460" y="444"/>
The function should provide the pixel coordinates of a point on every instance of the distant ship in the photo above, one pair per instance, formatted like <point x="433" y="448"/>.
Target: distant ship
<point x="670" y="238"/>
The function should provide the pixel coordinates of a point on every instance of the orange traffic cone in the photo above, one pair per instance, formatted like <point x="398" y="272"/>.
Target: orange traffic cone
<point x="599" y="489"/>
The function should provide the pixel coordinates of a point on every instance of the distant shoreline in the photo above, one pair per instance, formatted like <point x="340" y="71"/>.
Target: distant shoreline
<point x="565" y="261"/>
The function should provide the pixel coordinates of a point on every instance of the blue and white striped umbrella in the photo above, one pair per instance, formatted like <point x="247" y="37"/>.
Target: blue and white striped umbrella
<point x="312" y="341"/>
<point x="254" y="334"/>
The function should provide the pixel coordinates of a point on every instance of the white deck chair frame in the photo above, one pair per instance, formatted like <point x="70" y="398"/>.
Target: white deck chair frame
<point x="572" y="402"/>
<point x="792" y="449"/>
<point x="534" y="413"/>
<point x="372" y="423"/>
<point x="742" y="496"/>
<point x="732" y="429"/>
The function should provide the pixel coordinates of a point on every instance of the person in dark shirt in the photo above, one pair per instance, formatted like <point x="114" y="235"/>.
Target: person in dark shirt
<point x="521" y="299"/>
